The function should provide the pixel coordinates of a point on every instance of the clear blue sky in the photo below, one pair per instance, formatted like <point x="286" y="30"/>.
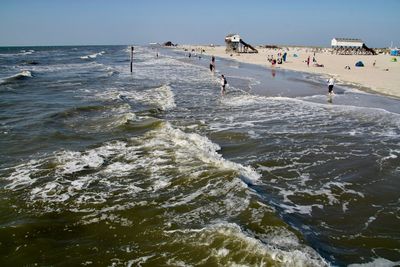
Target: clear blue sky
<point x="299" y="22"/>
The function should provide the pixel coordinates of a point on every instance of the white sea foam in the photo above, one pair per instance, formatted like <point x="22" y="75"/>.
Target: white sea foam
<point x="20" y="53"/>
<point x="71" y="162"/>
<point x="21" y="177"/>
<point x="245" y="100"/>
<point x="24" y="52"/>
<point x="392" y="155"/>
<point x="379" y="262"/>
<point x="288" y="253"/>
<point x="203" y="149"/>
<point x="330" y="192"/>
<point x="20" y="75"/>
<point x="165" y="97"/>
<point x="25" y="73"/>
<point x="76" y="179"/>
<point x="367" y="113"/>
<point x="162" y="97"/>
<point x="139" y="261"/>
<point x="76" y="161"/>
<point x="300" y="209"/>
<point x="116" y="117"/>
<point x="262" y="114"/>
<point x="93" y="55"/>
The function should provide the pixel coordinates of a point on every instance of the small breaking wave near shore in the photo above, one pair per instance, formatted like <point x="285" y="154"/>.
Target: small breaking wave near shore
<point x="24" y="74"/>
<point x="92" y="56"/>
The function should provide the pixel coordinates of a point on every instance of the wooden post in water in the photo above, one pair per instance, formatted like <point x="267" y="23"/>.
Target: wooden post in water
<point x="132" y="57"/>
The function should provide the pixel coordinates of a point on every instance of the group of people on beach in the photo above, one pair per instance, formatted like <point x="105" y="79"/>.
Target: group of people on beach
<point x="279" y="60"/>
<point x="314" y="60"/>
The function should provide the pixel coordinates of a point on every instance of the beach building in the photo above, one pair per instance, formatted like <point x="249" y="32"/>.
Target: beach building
<point x="232" y="42"/>
<point x="347" y="42"/>
<point x="236" y="44"/>
<point x="350" y="46"/>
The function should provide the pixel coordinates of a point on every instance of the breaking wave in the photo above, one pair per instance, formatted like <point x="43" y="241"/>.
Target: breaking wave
<point x="238" y="248"/>
<point x="93" y="55"/>
<point x="161" y="97"/>
<point x="19" y="76"/>
<point x="50" y="179"/>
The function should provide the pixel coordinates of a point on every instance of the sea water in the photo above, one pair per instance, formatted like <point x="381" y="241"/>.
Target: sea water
<point x="103" y="167"/>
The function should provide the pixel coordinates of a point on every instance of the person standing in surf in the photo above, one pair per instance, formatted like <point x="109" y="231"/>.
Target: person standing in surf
<point x="212" y="64"/>
<point x="223" y="84"/>
<point x="331" y="83"/>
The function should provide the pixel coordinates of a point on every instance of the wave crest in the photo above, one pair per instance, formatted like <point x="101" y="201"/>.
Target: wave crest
<point x="93" y="55"/>
<point x="19" y="76"/>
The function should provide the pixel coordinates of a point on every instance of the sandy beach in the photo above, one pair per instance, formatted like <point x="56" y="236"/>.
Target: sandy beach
<point x="383" y="78"/>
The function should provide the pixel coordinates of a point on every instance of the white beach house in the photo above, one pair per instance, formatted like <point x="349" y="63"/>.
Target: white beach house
<point x="346" y="42"/>
<point x="236" y="44"/>
<point x="232" y="42"/>
<point x="349" y="46"/>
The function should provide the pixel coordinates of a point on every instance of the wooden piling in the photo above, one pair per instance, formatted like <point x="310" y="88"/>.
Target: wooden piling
<point x="132" y="57"/>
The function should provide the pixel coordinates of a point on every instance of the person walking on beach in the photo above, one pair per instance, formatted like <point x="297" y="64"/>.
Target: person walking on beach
<point x="331" y="83"/>
<point x="308" y="61"/>
<point x="223" y="84"/>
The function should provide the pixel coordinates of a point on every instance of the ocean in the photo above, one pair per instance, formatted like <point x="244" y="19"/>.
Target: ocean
<point x="103" y="167"/>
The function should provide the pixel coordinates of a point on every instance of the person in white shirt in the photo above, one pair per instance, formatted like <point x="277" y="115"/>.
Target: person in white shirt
<point x="331" y="83"/>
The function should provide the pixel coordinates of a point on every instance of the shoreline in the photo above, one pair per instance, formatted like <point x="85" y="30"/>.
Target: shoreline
<point x="370" y="79"/>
